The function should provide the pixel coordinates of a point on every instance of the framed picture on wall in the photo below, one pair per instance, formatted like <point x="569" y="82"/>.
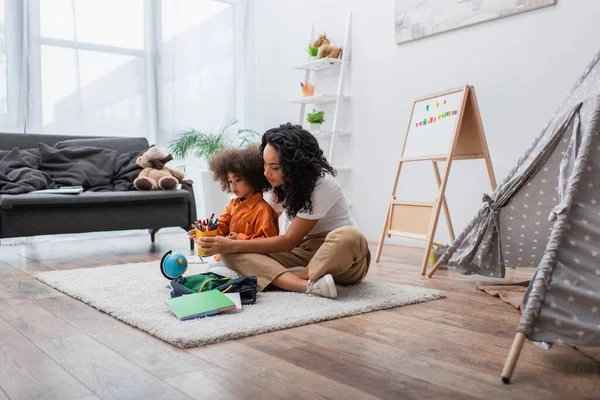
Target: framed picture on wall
<point x="417" y="19"/>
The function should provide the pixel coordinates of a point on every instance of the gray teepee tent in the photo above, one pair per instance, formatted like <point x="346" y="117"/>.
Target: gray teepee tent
<point x="546" y="213"/>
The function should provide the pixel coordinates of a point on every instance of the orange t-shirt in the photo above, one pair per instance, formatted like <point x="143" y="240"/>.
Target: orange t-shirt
<point x="252" y="218"/>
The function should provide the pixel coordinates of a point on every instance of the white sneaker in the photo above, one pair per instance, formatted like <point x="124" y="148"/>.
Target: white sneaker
<point x="324" y="287"/>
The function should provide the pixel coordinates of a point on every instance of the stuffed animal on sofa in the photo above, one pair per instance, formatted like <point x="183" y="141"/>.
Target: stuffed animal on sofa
<point x="155" y="175"/>
<point x="326" y="49"/>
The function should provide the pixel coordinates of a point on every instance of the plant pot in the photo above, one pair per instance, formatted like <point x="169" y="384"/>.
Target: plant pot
<point x="315" y="127"/>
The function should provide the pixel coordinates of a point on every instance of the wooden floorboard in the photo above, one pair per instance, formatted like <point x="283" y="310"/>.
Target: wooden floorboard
<point x="53" y="346"/>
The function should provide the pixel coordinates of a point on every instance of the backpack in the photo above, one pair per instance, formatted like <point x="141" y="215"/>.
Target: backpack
<point x="245" y="286"/>
<point x="174" y="266"/>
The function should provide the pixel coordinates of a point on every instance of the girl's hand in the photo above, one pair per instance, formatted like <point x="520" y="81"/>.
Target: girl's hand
<point x="192" y="234"/>
<point x="232" y="235"/>
<point x="216" y="245"/>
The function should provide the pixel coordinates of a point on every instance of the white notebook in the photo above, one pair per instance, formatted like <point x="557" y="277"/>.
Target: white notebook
<point x="61" y="190"/>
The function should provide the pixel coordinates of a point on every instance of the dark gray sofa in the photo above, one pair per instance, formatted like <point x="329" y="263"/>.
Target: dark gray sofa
<point x="31" y="214"/>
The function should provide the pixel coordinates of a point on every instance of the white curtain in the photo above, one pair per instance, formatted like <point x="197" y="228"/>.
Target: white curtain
<point x="197" y="66"/>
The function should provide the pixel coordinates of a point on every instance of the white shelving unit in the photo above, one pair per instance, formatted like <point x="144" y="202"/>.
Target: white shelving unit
<point x="319" y="99"/>
<point x="330" y="98"/>
<point x="311" y="68"/>
<point x="321" y="63"/>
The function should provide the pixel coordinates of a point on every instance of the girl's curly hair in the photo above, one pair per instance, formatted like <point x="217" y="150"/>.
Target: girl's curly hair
<point x="247" y="163"/>
<point x="302" y="162"/>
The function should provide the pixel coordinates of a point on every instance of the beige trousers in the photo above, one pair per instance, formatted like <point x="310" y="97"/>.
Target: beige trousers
<point x="343" y="253"/>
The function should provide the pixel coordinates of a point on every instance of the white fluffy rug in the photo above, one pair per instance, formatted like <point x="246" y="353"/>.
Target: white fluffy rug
<point x="136" y="294"/>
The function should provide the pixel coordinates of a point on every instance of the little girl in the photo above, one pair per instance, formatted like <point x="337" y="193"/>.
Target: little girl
<point x="248" y="216"/>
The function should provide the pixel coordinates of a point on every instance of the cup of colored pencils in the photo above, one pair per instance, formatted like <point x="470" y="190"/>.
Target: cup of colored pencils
<point x="205" y="228"/>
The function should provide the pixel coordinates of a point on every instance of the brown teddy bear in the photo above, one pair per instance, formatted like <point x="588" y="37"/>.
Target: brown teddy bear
<point x="155" y="175"/>
<point x="327" y="50"/>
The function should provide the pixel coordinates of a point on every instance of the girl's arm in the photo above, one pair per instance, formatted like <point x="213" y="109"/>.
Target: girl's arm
<point x="298" y="229"/>
<point x="223" y="222"/>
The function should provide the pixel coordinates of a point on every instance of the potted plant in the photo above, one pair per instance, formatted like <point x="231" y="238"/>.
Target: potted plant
<point x="313" y="52"/>
<point x="203" y="146"/>
<point x="315" y="119"/>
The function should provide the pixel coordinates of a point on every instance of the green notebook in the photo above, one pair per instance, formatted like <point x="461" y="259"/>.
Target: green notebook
<point x="201" y="304"/>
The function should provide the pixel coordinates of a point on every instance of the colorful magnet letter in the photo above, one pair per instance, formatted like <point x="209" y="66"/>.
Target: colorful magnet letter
<point x="427" y="107"/>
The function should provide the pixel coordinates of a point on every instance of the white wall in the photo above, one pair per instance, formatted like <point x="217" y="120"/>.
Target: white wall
<point x="521" y="68"/>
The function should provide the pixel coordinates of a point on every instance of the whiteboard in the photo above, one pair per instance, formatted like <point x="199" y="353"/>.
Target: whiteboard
<point x="432" y="125"/>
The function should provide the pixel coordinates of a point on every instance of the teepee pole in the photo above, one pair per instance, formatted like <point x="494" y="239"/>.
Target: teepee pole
<point x="437" y="266"/>
<point x="513" y="356"/>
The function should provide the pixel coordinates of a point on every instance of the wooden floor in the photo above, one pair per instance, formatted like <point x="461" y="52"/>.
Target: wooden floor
<point x="55" y="347"/>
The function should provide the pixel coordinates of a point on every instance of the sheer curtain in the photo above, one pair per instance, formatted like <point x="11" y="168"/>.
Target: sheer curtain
<point x="197" y="72"/>
<point x="197" y="81"/>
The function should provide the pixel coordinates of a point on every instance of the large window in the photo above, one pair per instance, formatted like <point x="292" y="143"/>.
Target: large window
<point x="91" y="67"/>
<point x="117" y="67"/>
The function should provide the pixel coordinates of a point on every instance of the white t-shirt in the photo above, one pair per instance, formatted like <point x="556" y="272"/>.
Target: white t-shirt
<point x="330" y="206"/>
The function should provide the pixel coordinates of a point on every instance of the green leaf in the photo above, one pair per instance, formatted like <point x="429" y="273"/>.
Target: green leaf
<point x="206" y="145"/>
<point x="315" y="117"/>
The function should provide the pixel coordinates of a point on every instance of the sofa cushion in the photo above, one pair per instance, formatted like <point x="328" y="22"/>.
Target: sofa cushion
<point x="108" y="199"/>
<point x="126" y="170"/>
<point x="90" y="167"/>
<point x="120" y="145"/>
<point x="29" y="155"/>
<point x="18" y="175"/>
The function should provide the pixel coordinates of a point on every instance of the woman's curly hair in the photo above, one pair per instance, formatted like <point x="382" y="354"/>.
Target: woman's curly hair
<point x="247" y="163"/>
<point x="302" y="162"/>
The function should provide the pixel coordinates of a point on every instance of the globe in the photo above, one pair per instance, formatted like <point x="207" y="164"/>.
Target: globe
<point x="173" y="265"/>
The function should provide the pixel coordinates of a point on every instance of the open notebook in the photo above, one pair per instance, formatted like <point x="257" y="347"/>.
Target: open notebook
<point x="201" y="304"/>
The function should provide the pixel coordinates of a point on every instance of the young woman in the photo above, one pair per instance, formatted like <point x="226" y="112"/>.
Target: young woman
<point x="322" y="237"/>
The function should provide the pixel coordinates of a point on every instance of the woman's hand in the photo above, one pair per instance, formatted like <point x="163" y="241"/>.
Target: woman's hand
<point x="232" y="235"/>
<point x="192" y="234"/>
<point x="216" y="245"/>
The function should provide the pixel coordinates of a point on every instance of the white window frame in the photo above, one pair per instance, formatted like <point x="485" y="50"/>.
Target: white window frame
<point x="24" y="63"/>
<point x="35" y="68"/>
<point x="10" y="122"/>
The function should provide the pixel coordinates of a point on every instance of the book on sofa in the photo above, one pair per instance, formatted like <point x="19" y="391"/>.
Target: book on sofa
<point x="61" y="190"/>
